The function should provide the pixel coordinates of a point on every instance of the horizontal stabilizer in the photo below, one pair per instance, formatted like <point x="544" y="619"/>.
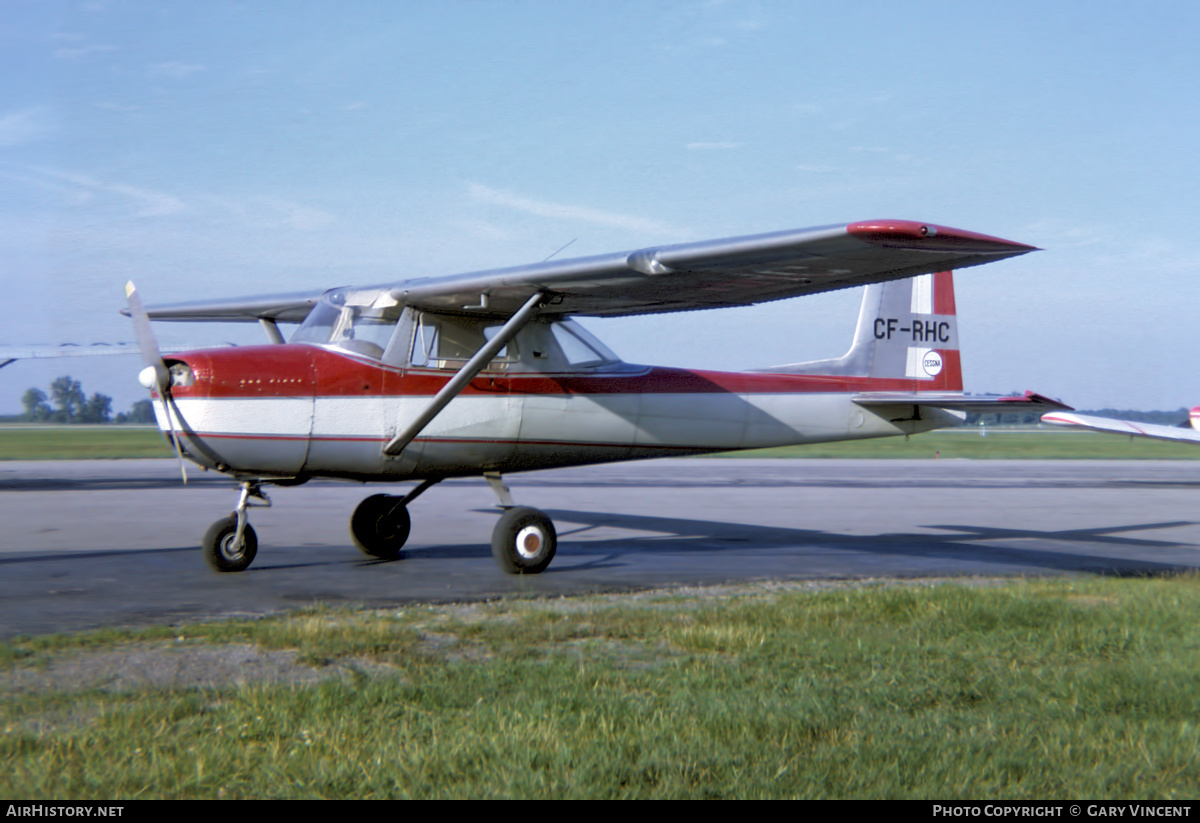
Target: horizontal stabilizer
<point x="970" y="403"/>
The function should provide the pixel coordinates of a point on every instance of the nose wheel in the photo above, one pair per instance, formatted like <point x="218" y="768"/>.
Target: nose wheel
<point x="230" y="544"/>
<point x="224" y="550"/>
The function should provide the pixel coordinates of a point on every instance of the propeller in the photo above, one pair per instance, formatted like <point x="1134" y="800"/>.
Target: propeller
<point x="156" y="375"/>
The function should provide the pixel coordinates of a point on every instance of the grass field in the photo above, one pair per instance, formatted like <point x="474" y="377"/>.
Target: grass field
<point x="28" y="442"/>
<point x="1045" y="689"/>
<point x="109" y="442"/>
<point x="1055" y="689"/>
<point x="998" y="444"/>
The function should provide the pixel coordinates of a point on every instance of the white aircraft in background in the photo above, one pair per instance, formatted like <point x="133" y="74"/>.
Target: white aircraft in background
<point x="485" y="373"/>
<point x="1183" y="434"/>
<point x="11" y="354"/>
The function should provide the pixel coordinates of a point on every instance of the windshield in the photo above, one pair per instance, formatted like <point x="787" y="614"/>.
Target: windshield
<point x="361" y="321"/>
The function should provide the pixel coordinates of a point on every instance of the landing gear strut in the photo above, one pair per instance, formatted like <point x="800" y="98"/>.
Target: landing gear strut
<point x="230" y="544"/>
<point x="524" y="540"/>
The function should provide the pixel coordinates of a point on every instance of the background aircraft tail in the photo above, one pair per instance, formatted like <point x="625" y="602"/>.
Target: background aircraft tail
<point x="907" y="331"/>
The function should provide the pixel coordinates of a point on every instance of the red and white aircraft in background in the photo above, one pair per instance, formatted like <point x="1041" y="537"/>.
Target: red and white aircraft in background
<point x="486" y="374"/>
<point x="1113" y="426"/>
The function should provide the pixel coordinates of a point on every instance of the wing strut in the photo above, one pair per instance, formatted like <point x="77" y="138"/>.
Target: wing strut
<point x="466" y="374"/>
<point x="272" y="330"/>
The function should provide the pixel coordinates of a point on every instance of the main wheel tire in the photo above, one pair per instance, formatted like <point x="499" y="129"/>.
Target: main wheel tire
<point x="524" y="541"/>
<point x="380" y="526"/>
<point x="221" y="552"/>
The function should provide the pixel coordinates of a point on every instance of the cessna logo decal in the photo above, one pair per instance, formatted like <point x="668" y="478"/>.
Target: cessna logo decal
<point x="932" y="363"/>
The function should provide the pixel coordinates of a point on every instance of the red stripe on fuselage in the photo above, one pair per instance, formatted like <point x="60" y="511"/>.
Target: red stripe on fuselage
<point x="308" y="371"/>
<point x="590" y="444"/>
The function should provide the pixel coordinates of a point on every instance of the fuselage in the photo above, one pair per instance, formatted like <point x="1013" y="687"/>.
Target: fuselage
<point x="303" y="410"/>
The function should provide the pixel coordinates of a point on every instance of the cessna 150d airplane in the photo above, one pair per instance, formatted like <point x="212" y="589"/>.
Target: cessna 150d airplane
<point x="486" y="374"/>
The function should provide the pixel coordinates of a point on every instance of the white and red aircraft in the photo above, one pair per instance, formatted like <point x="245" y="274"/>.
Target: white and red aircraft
<point x="486" y="374"/>
<point x="1113" y="426"/>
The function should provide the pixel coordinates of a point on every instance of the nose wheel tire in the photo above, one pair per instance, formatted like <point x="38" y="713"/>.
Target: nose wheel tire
<point x="222" y="550"/>
<point x="524" y="541"/>
<point x="380" y="526"/>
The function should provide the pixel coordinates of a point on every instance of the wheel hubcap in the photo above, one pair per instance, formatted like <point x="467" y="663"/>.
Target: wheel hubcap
<point x="231" y="550"/>
<point x="529" y="542"/>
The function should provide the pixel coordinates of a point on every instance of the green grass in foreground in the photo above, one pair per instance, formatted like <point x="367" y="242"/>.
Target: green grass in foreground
<point x="1046" y="689"/>
<point x="79" y="443"/>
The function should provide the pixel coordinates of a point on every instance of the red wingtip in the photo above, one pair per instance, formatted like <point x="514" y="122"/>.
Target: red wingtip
<point x="910" y="234"/>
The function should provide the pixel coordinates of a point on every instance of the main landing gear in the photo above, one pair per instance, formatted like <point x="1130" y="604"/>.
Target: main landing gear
<point x="523" y="542"/>
<point x="380" y="524"/>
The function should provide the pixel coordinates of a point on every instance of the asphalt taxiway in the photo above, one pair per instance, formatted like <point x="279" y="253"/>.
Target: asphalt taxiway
<point x="90" y="544"/>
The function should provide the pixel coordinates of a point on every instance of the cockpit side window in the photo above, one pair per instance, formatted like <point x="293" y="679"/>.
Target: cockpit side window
<point x="447" y="342"/>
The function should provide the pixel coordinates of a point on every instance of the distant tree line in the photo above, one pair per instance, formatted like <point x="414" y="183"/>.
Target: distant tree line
<point x="67" y="403"/>
<point x="1178" y="417"/>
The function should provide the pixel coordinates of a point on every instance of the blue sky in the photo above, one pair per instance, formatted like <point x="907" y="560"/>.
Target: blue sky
<point x="223" y="148"/>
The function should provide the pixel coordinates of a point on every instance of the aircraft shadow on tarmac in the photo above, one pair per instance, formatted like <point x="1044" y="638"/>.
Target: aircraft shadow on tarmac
<point x="960" y="544"/>
<point x="678" y="535"/>
<point x="77" y="557"/>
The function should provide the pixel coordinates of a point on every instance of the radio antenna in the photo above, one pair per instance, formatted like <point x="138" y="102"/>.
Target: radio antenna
<point x="559" y="249"/>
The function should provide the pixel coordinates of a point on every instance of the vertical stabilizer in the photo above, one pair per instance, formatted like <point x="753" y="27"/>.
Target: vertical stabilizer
<point x="907" y="331"/>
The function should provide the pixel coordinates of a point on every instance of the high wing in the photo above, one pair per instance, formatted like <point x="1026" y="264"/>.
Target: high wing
<point x="738" y="271"/>
<point x="1106" y="424"/>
